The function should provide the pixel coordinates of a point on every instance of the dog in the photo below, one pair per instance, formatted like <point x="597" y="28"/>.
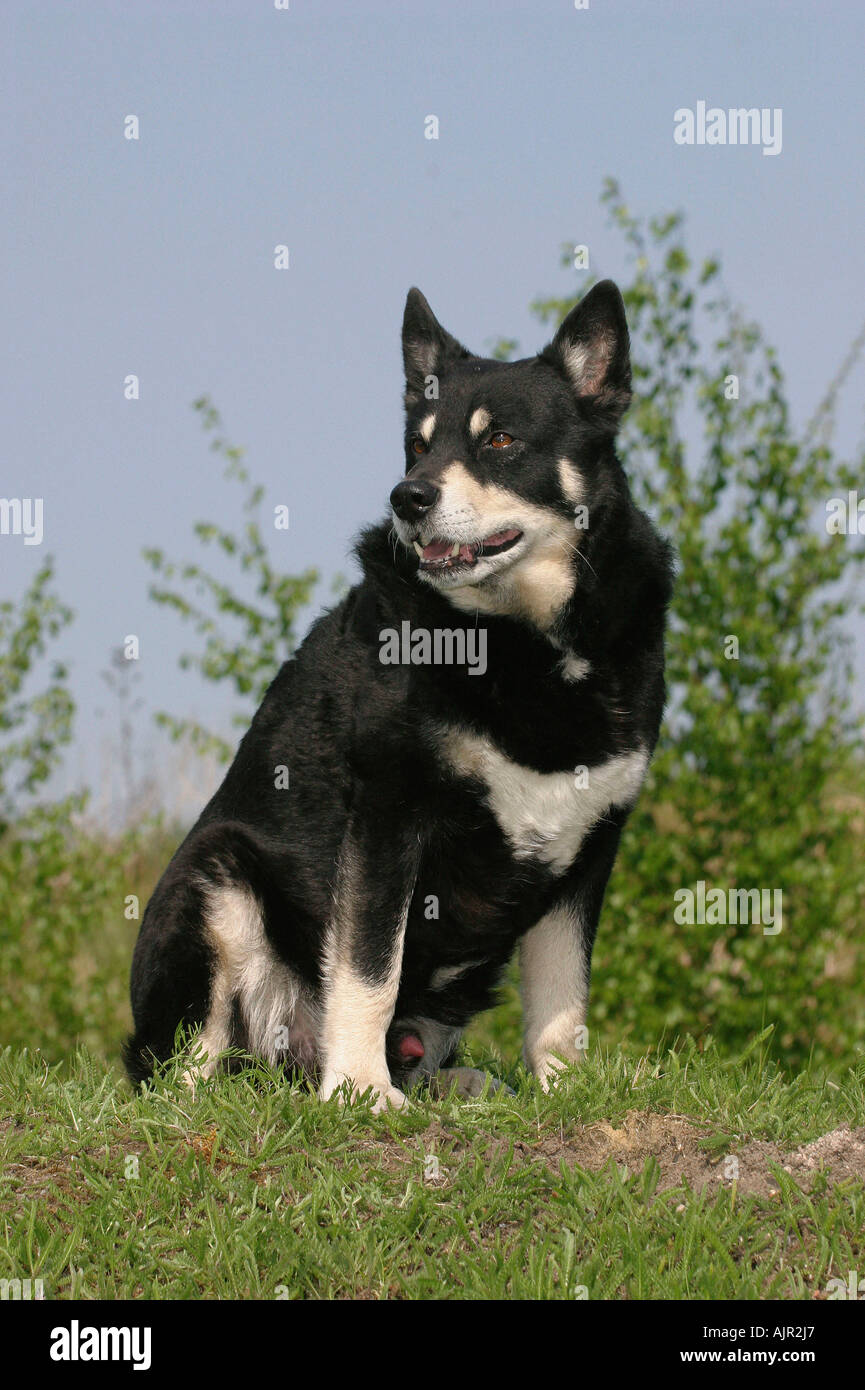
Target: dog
<point x="444" y="767"/>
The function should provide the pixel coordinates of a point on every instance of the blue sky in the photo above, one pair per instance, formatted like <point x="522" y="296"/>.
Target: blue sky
<point x="306" y="127"/>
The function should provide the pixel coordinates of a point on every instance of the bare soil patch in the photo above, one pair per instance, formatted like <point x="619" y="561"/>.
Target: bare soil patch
<point x="676" y="1142"/>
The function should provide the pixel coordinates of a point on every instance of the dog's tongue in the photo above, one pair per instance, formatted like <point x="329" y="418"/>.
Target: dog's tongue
<point x="440" y="550"/>
<point x="437" y="550"/>
<point x="410" y="1046"/>
<point x="501" y="537"/>
<point x="443" y="550"/>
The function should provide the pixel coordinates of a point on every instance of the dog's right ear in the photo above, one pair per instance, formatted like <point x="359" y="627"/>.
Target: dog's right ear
<point x="426" y="347"/>
<point x="592" y="351"/>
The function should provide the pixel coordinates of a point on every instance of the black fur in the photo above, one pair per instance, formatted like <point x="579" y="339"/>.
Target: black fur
<point x="362" y="739"/>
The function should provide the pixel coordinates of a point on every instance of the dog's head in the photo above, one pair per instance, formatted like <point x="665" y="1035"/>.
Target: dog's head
<point x="506" y="461"/>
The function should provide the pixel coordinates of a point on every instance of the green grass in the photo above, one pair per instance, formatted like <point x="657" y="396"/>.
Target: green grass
<point x="254" y="1189"/>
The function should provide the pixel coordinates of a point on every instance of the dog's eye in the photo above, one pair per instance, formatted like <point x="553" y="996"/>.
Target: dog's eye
<point x="418" y="445"/>
<point x="500" y="440"/>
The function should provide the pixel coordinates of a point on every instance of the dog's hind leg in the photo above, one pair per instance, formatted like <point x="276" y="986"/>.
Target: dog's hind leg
<point x="204" y="960"/>
<point x="216" y="1034"/>
<point x="172" y="972"/>
<point x="255" y="998"/>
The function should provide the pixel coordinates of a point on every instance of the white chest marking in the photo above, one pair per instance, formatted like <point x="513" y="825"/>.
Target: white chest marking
<point x="545" y="815"/>
<point x="574" y="668"/>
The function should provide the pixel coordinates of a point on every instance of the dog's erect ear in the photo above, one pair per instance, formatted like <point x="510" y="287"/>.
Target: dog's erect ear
<point x="426" y="346"/>
<point x="592" y="349"/>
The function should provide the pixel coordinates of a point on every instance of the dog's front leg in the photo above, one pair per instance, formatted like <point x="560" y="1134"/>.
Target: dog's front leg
<point x="555" y="962"/>
<point x="554" y="971"/>
<point x="363" y="958"/>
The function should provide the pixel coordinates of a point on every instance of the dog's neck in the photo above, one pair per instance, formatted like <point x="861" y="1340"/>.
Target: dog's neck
<point x="582" y="604"/>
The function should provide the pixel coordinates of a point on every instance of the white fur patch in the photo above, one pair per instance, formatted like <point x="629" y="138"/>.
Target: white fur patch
<point x="446" y="974"/>
<point x="545" y="816"/>
<point x="357" y="1013"/>
<point x="480" y="421"/>
<point x="554" y="980"/>
<point x="271" y="999"/>
<point x="356" y="1018"/>
<point x="587" y="363"/>
<point x="426" y="427"/>
<point x="574" y="668"/>
<point x="571" y="480"/>
<point x="576" y="358"/>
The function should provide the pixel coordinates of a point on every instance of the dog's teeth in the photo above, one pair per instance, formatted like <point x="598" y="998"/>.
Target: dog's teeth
<point x="455" y="549"/>
<point x="418" y="547"/>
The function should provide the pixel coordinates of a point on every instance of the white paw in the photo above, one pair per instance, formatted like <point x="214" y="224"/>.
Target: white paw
<point x="383" y="1093"/>
<point x="550" y="1069"/>
<point x="549" y="1076"/>
<point x="391" y="1097"/>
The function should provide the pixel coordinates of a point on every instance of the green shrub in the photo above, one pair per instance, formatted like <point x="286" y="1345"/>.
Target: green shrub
<point x="66" y="920"/>
<point x="65" y="936"/>
<point x="758" y="778"/>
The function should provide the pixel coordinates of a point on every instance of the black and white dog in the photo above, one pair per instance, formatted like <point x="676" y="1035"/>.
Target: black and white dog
<point x="462" y="739"/>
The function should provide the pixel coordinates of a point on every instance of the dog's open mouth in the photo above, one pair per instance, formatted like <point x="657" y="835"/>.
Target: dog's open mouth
<point x="441" y="554"/>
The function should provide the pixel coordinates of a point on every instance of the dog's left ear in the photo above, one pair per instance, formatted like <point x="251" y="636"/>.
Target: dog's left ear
<point x="426" y="346"/>
<point x="592" y="349"/>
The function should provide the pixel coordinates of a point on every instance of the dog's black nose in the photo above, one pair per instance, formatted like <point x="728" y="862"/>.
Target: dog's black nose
<point x="412" y="498"/>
